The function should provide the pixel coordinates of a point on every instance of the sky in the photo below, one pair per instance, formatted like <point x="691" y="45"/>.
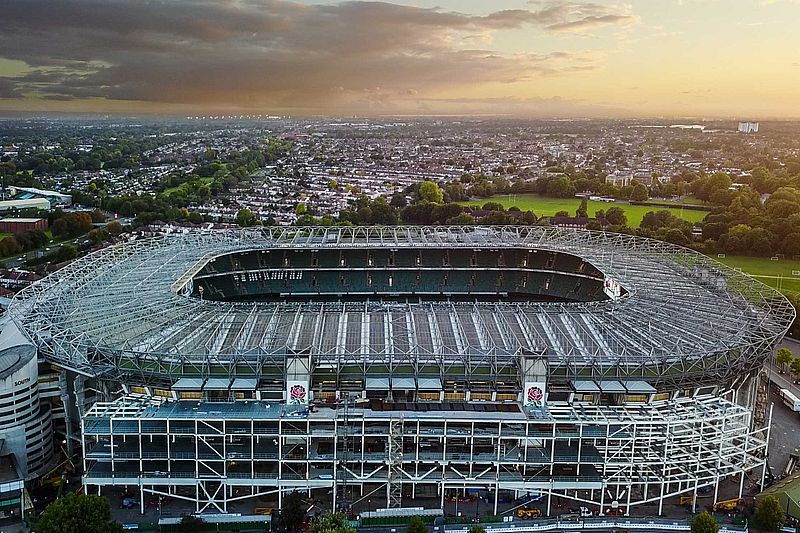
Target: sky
<point x="538" y="58"/>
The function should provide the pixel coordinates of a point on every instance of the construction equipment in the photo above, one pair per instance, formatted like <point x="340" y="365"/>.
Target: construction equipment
<point x="263" y="510"/>
<point x="685" y="500"/>
<point x="727" y="505"/>
<point x="793" y="463"/>
<point x="527" y="513"/>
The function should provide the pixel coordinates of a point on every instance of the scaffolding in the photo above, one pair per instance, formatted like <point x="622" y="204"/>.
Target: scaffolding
<point x="394" y="485"/>
<point x="593" y="455"/>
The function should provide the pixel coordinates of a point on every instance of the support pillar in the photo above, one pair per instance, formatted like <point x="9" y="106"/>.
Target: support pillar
<point x="741" y="484"/>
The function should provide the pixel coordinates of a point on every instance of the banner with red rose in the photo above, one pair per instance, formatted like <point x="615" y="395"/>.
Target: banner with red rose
<point x="296" y="392"/>
<point x="534" y="394"/>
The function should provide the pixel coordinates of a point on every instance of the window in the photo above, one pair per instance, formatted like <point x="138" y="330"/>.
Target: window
<point x="635" y="398"/>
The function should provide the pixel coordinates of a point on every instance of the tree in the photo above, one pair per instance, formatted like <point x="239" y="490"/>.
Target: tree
<point x="795" y="367"/>
<point x="114" y="228"/>
<point x="78" y="513"/>
<point x="639" y="193"/>
<point x="333" y="184"/>
<point x="783" y="358"/>
<point x="769" y="515"/>
<point x="430" y="192"/>
<point x="616" y="216"/>
<point x="97" y="235"/>
<point x="416" y="525"/>
<point x="245" y="218"/>
<point x="331" y="523"/>
<point x="293" y="513"/>
<point x="583" y="210"/>
<point x="704" y="523"/>
<point x="72" y="225"/>
<point x="560" y="187"/>
<point x="98" y="216"/>
<point x="63" y="253"/>
<point x="300" y="209"/>
<point x="476" y="528"/>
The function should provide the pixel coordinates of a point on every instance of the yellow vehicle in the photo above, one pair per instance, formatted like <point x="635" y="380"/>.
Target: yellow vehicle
<point x="687" y="500"/>
<point x="527" y="513"/>
<point x="263" y="510"/>
<point x="727" y="505"/>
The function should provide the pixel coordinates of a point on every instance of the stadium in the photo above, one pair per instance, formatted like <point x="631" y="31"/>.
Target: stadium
<point x="409" y="364"/>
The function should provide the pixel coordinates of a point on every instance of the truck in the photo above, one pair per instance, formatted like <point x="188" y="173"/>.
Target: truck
<point x="580" y="512"/>
<point x="727" y="505"/>
<point x="791" y="400"/>
<point x="528" y="512"/>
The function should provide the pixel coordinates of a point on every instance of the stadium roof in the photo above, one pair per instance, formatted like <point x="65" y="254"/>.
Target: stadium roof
<point x="123" y="308"/>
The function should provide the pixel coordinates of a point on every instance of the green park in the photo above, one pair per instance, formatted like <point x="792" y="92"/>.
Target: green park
<point x="545" y="206"/>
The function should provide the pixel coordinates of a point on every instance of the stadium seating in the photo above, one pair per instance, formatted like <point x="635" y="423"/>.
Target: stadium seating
<point x="458" y="273"/>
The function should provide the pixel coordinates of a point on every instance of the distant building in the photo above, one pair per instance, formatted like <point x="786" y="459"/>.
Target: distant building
<point x="18" y="225"/>
<point x="32" y="203"/>
<point x="574" y="222"/>
<point x="748" y="127"/>
<point x="11" y="151"/>
<point x="28" y="193"/>
<point x="618" y="179"/>
<point x="16" y="279"/>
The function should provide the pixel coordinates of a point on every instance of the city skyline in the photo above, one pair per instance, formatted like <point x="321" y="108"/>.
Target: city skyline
<point x="698" y="58"/>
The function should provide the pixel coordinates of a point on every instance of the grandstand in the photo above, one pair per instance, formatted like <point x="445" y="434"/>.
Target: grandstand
<point x="602" y="368"/>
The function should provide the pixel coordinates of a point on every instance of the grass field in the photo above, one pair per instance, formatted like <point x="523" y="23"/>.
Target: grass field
<point x="776" y="274"/>
<point x="171" y="190"/>
<point x="543" y="206"/>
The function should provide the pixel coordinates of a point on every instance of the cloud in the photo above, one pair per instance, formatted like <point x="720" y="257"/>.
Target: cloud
<point x="274" y="53"/>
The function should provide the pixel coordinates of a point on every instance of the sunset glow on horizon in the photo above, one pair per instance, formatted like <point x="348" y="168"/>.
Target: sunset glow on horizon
<point x="539" y="58"/>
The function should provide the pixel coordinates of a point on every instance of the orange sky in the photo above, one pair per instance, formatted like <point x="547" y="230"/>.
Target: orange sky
<point x="701" y="58"/>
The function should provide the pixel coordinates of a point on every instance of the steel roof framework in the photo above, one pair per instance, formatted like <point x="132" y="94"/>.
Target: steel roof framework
<point x="685" y="319"/>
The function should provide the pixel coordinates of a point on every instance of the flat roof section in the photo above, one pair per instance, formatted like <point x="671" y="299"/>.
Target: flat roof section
<point x="429" y="383"/>
<point x="217" y="384"/>
<point x="403" y="384"/>
<point x="244" y="384"/>
<point x="188" y="384"/>
<point x="638" y="387"/>
<point x="611" y="386"/>
<point x="585" y="385"/>
<point x="377" y="383"/>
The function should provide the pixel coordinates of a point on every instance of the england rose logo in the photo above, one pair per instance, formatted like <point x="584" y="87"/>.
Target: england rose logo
<point x="535" y="395"/>
<point x="297" y="394"/>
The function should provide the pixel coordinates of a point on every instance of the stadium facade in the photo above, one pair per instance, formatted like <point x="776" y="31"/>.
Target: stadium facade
<point x="407" y="363"/>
